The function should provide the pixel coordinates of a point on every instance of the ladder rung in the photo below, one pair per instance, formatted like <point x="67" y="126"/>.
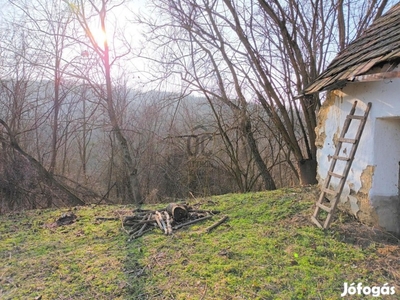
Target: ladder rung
<point x="328" y="191"/>
<point x="335" y="175"/>
<point x="316" y="222"/>
<point x="324" y="207"/>
<point x="350" y="141"/>
<point x="354" y="117"/>
<point x="340" y="157"/>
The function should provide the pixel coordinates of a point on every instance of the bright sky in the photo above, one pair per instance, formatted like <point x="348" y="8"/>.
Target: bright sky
<point x="120" y="30"/>
<point x="123" y="17"/>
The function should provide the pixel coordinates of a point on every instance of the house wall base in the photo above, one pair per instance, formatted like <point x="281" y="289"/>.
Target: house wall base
<point x="388" y="210"/>
<point x="379" y="211"/>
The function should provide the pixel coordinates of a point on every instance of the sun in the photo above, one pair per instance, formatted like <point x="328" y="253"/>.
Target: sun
<point x="99" y="36"/>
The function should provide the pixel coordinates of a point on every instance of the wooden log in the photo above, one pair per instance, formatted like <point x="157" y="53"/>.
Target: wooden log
<point x="132" y="220"/>
<point x="139" y="213"/>
<point x="216" y="224"/>
<point x="136" y="224"/>
<point x="160" y="221"/>
<point x="152" y="220"/>
<point x="141" y="229"/>
<point x="192" y="222"/>
<point x="144" y="225"/>
<point x="178" y="212"/>
<point x="137" y="234"/>
<point x="134" y="229"/>
<point x="168" y="221"/>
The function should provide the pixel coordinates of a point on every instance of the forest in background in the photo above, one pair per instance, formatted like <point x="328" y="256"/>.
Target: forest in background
<point x="208" y="102"/>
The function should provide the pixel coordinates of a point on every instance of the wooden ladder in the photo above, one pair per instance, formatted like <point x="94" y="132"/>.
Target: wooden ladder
<point x="320" y="218"/>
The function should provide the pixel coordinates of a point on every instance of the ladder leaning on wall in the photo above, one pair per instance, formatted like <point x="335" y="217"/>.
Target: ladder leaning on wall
<point x="325" y="208"/>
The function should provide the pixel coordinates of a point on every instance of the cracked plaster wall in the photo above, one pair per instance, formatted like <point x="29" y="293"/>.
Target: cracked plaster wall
<point x="371" y="189"/>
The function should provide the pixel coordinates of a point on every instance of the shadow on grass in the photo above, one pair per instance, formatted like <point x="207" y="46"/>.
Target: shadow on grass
<point x="384" y="246"/>
<point x="139" y="285"/>
<point x="351" y="231"/>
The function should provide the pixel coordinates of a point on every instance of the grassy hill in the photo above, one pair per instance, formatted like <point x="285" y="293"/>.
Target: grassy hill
<point x="268" y="249"/>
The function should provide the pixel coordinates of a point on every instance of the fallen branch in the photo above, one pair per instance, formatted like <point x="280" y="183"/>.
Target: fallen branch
<point x="141" y="229"/>
<point x="136" y="235"/>
<point x="134" y="229"/>
<point x="42" y="171"/>
<point x="144" y="226"/>
<point x="216" y="224"/>
<point x="142" y="222"/>
<point x="134" y="220"/>
<point x="204" y="211"/>
<point x="106" y="219"/>
<point x="192" y="222"/>
<point x="142" y="212"/>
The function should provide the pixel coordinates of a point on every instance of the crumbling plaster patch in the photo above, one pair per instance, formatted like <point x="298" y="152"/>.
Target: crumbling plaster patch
<point x="323" y="115"/>
<point x="358" y="202"/>
<point x="366" y="179"/>
<point x="326" y="112"/>
<point x="367" y="213"/>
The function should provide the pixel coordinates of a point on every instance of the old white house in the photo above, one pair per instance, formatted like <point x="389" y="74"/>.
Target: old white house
<point x="367" y="70"/>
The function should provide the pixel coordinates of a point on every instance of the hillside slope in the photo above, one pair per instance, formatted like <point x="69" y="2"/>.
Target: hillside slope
<point x="267" y="249"/>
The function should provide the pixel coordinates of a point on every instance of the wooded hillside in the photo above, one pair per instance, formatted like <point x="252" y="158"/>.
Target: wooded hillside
<point x="122" y="102"/>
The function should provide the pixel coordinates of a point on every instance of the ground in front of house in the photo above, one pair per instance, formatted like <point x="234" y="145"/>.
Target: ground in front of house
<point x="267" y="249"/>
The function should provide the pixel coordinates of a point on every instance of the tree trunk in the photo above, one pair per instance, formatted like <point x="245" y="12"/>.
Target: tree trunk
<point x="269" y="183"/>
<point x="308" y="171"/>
<point x="46" y="175"/>
<point x="133" y="182"/>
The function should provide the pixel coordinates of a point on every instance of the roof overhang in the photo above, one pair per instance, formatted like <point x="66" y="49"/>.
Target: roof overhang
<point x="321" y="86"/>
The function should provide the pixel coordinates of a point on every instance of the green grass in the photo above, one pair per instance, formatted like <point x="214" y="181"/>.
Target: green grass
<point x="267" y="249"/>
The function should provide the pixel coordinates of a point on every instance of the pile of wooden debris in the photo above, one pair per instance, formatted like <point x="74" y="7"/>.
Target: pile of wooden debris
<point x="173" y="217"/>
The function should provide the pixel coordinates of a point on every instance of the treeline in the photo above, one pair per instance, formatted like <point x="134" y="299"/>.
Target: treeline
<point x="177" y="146"/>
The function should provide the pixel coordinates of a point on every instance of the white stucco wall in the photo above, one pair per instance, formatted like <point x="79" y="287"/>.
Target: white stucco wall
<point x="379" y="147"/>
<point x="386" y="157"/>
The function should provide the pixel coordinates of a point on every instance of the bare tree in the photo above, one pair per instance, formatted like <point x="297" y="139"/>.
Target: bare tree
<point x="264" y="51"/>
<point x="86" y="12"/>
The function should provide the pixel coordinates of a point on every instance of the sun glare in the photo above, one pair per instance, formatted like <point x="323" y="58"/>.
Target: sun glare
<point x="99" y="36"/>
